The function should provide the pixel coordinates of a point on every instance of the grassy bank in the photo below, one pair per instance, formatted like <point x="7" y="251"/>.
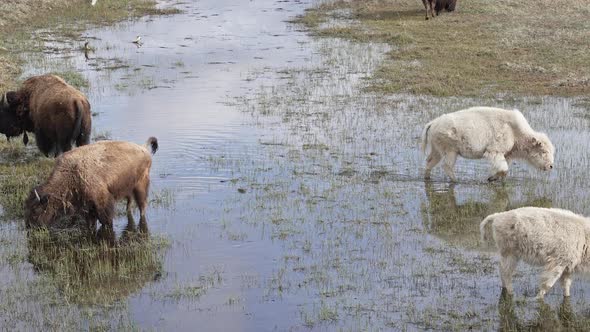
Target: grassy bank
<point x="65" y="18"/>
<point x="484" y="48"/>
<point x="22" y="168"/>
<point x="63" y="281"/>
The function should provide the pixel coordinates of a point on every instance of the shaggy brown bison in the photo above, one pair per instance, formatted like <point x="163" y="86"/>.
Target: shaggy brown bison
<point x="87" y="182"/>
<point x="10" y="124"/>
<point x="56" y="112"/>
<point x="438" y="6"/>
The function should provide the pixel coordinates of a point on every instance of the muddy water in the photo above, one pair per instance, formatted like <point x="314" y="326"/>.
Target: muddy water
<point x="295" y="196"/>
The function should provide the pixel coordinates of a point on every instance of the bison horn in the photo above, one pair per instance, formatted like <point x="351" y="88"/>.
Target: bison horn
<point x="37" y="195"/>
<point x="4" y="101"/>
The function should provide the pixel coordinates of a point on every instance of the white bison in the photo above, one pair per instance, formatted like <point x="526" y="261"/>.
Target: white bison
<point x="556" y="239"/>
<point x="485" y="132"/>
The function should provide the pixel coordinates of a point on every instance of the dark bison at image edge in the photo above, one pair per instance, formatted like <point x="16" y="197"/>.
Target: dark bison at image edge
<point x="10" y="124"/>
<point x="56" y="112"/>
<point x="86" y="183"/>
<point x="438" y="6"/>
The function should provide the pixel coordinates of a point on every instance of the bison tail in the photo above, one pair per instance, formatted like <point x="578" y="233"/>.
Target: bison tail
<point x="152" y="143"/>
<point x="484" y="229"/>
<point x="425" y="138"/>
<point x="78" y="125"/>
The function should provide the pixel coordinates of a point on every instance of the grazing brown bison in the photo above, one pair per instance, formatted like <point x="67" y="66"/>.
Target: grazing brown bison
<point x="56" y="112"/>
<point x="87" y="182"/>
<point x="438" y="6"/>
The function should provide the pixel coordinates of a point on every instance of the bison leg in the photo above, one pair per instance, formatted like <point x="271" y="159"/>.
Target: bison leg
<point x="433" y="159"/>
<point x="129" y="205"/>
<point x="44" y="144"/>
<point x="451" y="5"/>
<point x="566" y="282"/>
<point x="507" y="266"/>
<point x="449" y="165"/>
<point x="499" y="166"/>
<point x="425" y="3"/>
<point x="140" y="195"/>
<point x="432" y="5"/>
<point x="63" y="144"/>
<point x="548" y="278"/>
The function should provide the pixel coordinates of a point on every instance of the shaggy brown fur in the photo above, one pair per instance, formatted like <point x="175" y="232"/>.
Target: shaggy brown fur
<point x="55" y="111"/>
<point x="87" y="182"/>
<point x="448" y="5"/>
<point x="10" y="124"/>
<point x="438" y="5"/>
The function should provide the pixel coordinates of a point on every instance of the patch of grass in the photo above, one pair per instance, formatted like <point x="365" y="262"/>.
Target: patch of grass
<point x="97" y="269"/>
<point x="20" y="171"/>
<point x="74" y="79"/>
<point x="196" y="289"/>
<point x="104" y="135"/>
<point x="483" y="48"/>
<point x="65" y="19"/>
<point x="163" y="198"/>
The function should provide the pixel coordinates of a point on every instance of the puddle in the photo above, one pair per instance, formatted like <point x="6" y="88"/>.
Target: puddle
<point x="296" y="198"/>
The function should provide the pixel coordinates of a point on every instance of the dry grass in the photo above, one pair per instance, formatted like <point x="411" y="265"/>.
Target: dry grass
<point x="483" y="48"/>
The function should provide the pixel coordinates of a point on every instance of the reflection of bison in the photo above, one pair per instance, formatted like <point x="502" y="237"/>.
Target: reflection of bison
<point x="456" y="220"/>
<point x="56" y="112"/>
<point x="87" y="182"/>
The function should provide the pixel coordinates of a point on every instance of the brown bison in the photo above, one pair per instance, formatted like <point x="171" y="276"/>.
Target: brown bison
<point x="87" y="182"/>
<point x="438" y="6"/>
<point x="56" y="112"/>
<point x="10" y="124"/>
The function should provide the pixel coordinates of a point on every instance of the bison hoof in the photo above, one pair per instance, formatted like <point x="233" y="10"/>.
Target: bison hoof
<point x="493" y="178"/>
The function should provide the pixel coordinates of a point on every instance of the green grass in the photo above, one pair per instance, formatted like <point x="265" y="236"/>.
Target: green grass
<point x="20" y="170"/>
<point x="91" y="271"/>
<point x="74" y="79"/>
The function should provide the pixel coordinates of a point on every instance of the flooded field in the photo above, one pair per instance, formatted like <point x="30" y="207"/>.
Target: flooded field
<point x="284" y="195"/>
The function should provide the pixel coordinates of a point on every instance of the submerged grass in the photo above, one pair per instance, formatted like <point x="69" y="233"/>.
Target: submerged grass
<point x="97" y="269"/>
<point x="483" y="48"/>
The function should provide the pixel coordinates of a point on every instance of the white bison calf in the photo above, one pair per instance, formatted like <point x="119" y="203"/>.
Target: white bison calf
<point x="485" y="132"/>
<point x="556" y="239"/>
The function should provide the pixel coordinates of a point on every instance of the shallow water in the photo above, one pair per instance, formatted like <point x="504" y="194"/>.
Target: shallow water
<point x="332" y="226"/>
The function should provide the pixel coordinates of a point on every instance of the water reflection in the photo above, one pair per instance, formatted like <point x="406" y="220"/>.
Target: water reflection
<point x="546" y="319"/>
<point x="96" y="267"/>
<point x="458" y="223"/>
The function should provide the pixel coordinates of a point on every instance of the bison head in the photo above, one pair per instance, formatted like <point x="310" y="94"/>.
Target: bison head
<point x="540" y="152"/>
<point x="10" y="102"/>
<point x="37" y="209"/>
<point x="10" y="125"/>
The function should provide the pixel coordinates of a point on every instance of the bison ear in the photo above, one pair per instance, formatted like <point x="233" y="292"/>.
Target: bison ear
<point x="535" y="142"/>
